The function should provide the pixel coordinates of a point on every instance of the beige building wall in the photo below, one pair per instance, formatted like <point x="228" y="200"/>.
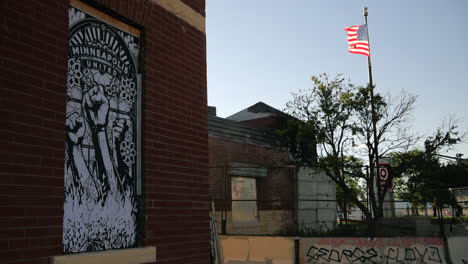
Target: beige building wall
<point x="317" y="200"/>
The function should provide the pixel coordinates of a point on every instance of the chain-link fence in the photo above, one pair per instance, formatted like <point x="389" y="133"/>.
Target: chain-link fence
<point x="283" y="200"/>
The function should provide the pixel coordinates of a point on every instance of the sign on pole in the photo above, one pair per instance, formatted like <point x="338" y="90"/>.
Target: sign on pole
<point x="384" y="173"/>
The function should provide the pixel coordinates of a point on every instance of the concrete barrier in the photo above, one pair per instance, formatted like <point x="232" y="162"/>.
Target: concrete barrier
<point x="458" y="248"/>
<point x="379" y="250"/>
<point x="280" y="250"/>
<point x="257" y="250"/>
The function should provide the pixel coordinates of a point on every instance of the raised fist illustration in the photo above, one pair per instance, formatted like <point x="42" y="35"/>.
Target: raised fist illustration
<point x="96" y="108"/>
<point x="120" y="127"/>
<point x="75" y="128"/>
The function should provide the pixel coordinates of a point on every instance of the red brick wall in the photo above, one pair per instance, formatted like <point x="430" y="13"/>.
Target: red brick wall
<point x="277" y="183"/>
<point x="33" y="72"/>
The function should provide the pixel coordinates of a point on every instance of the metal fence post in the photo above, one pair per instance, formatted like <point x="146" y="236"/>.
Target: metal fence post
<point x="296" y="200"/>
<point x="223" y="212"/>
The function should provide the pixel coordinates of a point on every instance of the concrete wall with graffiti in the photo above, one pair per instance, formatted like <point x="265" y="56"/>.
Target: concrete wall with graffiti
<point x="378" y="250"/>
<point x="457" y="248"/>
<point x="402" y="250"/>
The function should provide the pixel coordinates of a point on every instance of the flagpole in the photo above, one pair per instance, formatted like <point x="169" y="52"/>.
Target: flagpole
<point x="374" y="118"/>
<point x="368" y="57"/>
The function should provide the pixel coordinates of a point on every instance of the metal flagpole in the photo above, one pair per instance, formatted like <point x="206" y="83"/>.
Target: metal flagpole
<point x="374" y="118"/>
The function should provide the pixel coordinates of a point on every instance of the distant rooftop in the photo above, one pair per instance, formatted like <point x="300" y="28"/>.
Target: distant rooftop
<point x="233" y="130"/>
<point x="257" y="111"/>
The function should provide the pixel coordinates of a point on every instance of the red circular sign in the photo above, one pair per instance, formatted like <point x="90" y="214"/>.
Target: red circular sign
<point x="383" y="174"/>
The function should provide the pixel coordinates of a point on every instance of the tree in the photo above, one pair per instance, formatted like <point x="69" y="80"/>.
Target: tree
<point x="405" y="166"/>
<point x="334" y="110"/>
<point x="342" y="198"/>
<point x="425" y="178"/>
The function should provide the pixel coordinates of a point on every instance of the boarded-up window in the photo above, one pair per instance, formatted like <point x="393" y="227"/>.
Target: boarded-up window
<point x="102" y="132"/>
<point x="244" y="199"/>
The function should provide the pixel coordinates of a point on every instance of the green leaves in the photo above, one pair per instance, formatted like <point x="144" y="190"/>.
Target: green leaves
<point x="333" y="111"/>
<point x="426" y="179"/>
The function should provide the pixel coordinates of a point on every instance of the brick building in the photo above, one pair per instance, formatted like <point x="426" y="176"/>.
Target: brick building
<point x="103" y="144"/>
<point x="253" y="181"/>
<point x="250" y="177"/>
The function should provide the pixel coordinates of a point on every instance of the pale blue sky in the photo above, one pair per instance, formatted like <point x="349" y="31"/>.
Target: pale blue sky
<point x="262" y="50"/>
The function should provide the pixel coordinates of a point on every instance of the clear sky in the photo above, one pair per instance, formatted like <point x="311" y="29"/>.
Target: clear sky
<point x="262" y="50"/>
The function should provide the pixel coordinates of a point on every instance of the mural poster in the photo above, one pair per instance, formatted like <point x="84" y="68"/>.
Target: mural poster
<point x="100" y="206"/>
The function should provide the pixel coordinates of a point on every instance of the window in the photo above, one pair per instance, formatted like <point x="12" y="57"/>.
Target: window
<point x="244" y="199"/>
<point x="102" y="132"/>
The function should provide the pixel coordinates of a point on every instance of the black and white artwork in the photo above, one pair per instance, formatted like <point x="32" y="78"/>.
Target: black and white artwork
<point x="101" y="127"/>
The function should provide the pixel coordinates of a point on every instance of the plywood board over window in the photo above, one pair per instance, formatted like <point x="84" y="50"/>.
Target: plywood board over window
<point x="244" y="199"/>
<point x="102" y="132"/>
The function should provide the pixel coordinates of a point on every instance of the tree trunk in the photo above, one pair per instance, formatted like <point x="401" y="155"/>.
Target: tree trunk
<point x="345" y="211"/>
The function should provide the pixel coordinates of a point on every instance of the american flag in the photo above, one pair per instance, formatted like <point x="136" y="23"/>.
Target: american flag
<point x="357" y="40"/>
